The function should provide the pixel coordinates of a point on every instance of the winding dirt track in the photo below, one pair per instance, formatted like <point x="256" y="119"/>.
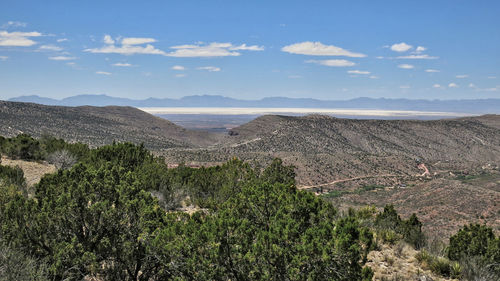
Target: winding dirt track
<point x="344" y="180"/>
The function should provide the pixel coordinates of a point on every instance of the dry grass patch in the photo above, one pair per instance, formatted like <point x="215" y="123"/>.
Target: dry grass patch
<point x="33" y="171"/>
<point x="397" y="262"/>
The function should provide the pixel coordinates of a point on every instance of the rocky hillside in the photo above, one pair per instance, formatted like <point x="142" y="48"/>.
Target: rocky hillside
<point x="97" y="125"/>
<point x="326" y="149"/>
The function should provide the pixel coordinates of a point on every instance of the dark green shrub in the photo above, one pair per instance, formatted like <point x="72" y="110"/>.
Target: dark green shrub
<point x="471" y="240"/>
<point x="410" y="230"/>
<point x="23" y="147"/>
<point x="478" y="250"/>
<point x="12" y="176"/>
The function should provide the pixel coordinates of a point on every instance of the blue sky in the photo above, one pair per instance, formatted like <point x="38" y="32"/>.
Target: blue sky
<point x="251" y="49"/>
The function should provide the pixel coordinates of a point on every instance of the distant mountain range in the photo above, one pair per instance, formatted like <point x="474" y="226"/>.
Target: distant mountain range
<point x="477" y="106"/>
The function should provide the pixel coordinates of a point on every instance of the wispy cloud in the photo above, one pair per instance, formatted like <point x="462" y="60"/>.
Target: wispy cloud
<point x="62" y="40"/>
<point x="335" y="63"/>
<point x="61" y="58"/>
<point x="178" y="67"/>
<point x="358" y="72"/>
<point x="420" y="49"/>
<point x="244" y="47"/>
<point x="406" y="66"/>
<point x="14" y="24"/>
<point x="489" y="89"/>
<point x="126" y="49"/>
<point x="319" y="49"/>
<point x="462" y="76"/>
<point x="137" y="41"/>
<point x="181" y="75"/>
<point x="211" y="50"/>
<point x="436" y="86"/>
<point x="294" y="76"/>
<point x="108" y="40"/>
<point x="432" y="70"/>
<point x="418" y="57"/>
<point x="404" y="87"/>
<point x="373" y="77"/>
<point x="494" y="89"/>
<point x="401" y="47"/>
<point x="135" y="45"/>
<point x="492" y="77"/>
<point x="122" y="64"/>
<point x="18" y="39"/>
<point x="103" y="73"/>
<point x="3" y="58"/>
<point x="209" y="68"/>
<point x="53" y="48"/>
<point x="452" y="85"/>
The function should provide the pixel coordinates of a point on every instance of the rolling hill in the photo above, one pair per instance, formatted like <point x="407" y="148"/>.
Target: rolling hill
<point x="325" y="149"/>
<point x="97" y="125"/>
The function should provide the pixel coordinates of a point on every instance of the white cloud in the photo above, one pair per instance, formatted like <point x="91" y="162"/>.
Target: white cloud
<point x="452" y="85"/>
<point x="211" y="50"/>
<point x="379" y="57"/>
<point x="14" y="24"/>
<point x="406" y="66"/>
<point x="420" y="49"/>
<point x="103" y="73"/>
<point x="108" y="40"/>
<point x="471" y="85"/>
<point x="401" y="47"/>
<point x="497" y="88"/>
<point x="180" y="75"/>
<point x="417" y="57"/>
<point x="62" y="40"/>
<point x="432" y="70"/>
<point x="318" y="49"/>
<point x="178" y="67"/>
<point x="71" y="63"/>
<point x="121" y="64"/>
<point x="3" y="58"/>
<point x="336" y="63"/>
<point x="436" y="86"/>
<point x="461" y="76"/>
<point x="132" y="45"/>
<point x="50" y="48"/>
<point x="358" y="72"/>
<point x="61" y="58"/>
<point x="404" y="87"/>
<point x="373" y="77"/>
<point x="127" y="50"/>
<point x="209" y="68"/>
<point x="244" y="47"/>
<point x="489" y="89"/>
<point x="137" y="41"/>
<point x="18" y="39"/>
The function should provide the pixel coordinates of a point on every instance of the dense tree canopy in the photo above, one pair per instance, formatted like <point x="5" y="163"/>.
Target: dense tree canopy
<point x="99" y="219"/>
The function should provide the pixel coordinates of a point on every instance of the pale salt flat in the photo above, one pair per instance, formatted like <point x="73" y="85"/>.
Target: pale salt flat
<point x="295" y="111"/>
